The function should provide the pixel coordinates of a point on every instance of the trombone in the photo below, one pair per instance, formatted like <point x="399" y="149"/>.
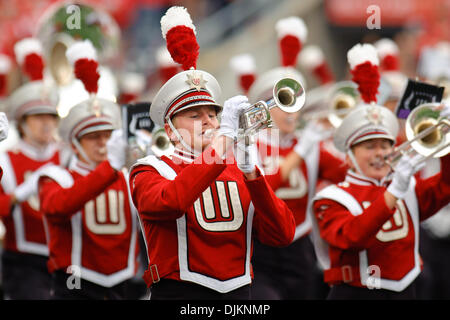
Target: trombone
<point x="287" y="94"/>
<point x="427" y="133"/>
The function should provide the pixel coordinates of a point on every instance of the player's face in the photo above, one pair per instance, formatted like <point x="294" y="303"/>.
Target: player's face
<point x="94" y="146"/>
<point x="285" y="122"/>
<point x="40" y="128"/>
<point x="369" y="155"/>
<point x="192" y="124"/>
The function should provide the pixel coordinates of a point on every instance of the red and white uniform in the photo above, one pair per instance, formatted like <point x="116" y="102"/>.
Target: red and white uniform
<point x="90" y="222"/>
<point x="300" y="187"/>
<point x="361" y="237"/>
<point x="24" y="225"/>
<point x="199" y="219"/>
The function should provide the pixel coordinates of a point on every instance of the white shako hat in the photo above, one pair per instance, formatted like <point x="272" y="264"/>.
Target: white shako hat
<point x="367" y="121"/>
<point x="189" y="88"/>
<point x="93" y="114"/>
<point x="35" y="96"/>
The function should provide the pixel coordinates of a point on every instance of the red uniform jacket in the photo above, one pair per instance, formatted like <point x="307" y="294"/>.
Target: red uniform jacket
<point x="90" y="222"/>
<point x="300" y="187"/>
<point x="24" y="225"/>
<point x="199" y="219"/>
<point x="360" y="241"/>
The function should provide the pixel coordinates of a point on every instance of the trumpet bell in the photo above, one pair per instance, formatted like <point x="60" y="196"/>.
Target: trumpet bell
<point x="427" y="132"/>
<point x="289" y="95"/>
<point x="161" y="144"/>
<point x="60" y="67"/>
<point x="64" y="23"/>
<point x="342" y="98"/>
<point x="341" y="105"/>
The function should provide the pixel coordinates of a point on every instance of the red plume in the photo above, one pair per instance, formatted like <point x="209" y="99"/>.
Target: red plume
<point x="390" y="63"/>
<point x="83" y="56"/>
<point x="183" y="47"/>
<point x="324" y="73"/>
<point x="86" y="71"/>
<point x="291" y="34"/>
<point x="28" y="53"/>
<point x="246" y="81"/>
<point x="3" y="85"/>
<point x="367" y="76"/>
<point x="290" y="47"/>
<point x="33" y="66"/>
<point x="363" y="60"/>
<point x="165" y="73"/>
<point x="179" y="31"/>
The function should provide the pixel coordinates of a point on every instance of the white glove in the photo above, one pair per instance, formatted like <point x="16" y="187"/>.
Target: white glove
<point x="117" y="149"/>
<point x="4" y="126"/>
<point x="246" y="157"/>
<point x="144" y="141"/>
<point x="30" y="186"/>
<point x="445" y="112"/>
<point x="404" y="170"/>
<point x="309" y="136"/>
<point x="232" y="109"/>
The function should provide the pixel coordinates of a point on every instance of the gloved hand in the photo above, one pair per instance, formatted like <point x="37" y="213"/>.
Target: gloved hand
<point x="309" y="136"/>
<point x="404" y="170"/>
<point x="246" y="157"/>
<point x="117" y="149"/>
<point x="144" y="141"/>
<point x="30" y="186"/>
<point x="232" y="109"/>
<point x="4" y="126"/>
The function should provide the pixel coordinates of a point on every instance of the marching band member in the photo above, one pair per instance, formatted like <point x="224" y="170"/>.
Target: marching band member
<point x="198" y="209"/>
<point x="92" y="231"/>
<point x="366" y="228"/>
<point x="33" y="109"/>
<point x="292" y="162"/>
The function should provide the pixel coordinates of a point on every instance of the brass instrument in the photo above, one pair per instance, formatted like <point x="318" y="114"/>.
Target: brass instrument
<point x="61" y="25"/>
<point x="341" y="98"/>
<point x="64" y="23"/>
<point x="427" y="133"/>
<point x="161" y="144"/>
<point x="288" y="95"/>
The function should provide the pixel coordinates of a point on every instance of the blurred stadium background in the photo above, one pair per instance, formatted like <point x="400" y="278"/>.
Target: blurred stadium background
<point x="229" y="27"/>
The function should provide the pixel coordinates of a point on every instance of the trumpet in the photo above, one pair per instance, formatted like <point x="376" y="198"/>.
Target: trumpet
<point x="288" y="95"/>
<point x="341" y="99"/>
<point x="427" y="132"/>
<point x="161" y="144"/>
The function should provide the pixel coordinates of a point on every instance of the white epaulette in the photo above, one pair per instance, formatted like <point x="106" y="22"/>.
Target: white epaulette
<point x="58" y="174"/>
<point x="163" y="168"/>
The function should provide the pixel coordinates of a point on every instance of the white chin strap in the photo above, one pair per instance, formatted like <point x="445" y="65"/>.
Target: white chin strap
<point x="82" y="153"/>
<point x="183" y="143"/>
<point x="353" y="160"/>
